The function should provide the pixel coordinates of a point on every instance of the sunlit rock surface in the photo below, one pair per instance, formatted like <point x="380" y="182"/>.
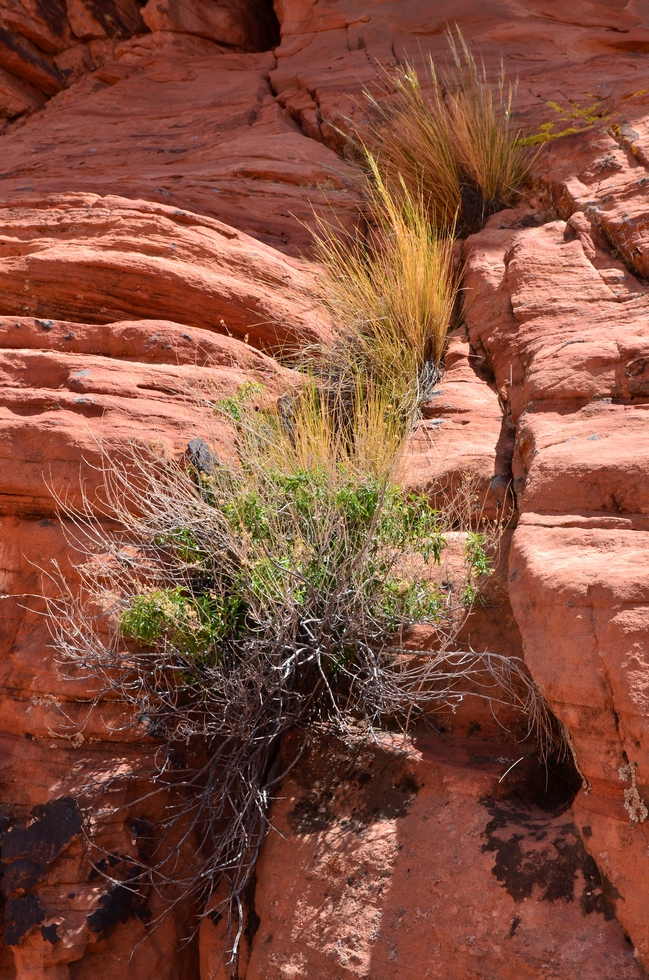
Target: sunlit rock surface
<point x="161" y="164"/>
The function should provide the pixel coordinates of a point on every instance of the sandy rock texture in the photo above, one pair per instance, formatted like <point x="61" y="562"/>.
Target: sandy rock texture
<point x="161" y="163"/>
<point x="73" y="389"/>
<point x="577" y="565"/>
<point x="413" y="860"/>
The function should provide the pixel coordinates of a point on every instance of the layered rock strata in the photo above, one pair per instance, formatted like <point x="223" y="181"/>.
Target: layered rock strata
<point x="568" y="346"/>
<point x="143" y="145"/>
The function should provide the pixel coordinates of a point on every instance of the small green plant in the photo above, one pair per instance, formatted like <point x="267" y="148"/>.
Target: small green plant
<point x="296" y="535"/>
<point x="478" y="562"/>
<point x="234" y="406"/>
<point x="575" y="117"/>
<point x="194" y="625"/>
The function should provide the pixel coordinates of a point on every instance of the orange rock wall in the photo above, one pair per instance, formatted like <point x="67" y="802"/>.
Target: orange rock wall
<point x="161" y="163"/>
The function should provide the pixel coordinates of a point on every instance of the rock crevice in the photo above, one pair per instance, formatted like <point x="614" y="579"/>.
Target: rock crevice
<point x="161" y="164"/>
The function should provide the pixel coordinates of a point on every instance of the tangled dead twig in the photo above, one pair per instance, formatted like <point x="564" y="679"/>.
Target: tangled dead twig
<point x="321" y="640"/>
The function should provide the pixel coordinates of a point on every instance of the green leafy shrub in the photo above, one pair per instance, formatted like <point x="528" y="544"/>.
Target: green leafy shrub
<point x="268" y="594"/>
<point x="194" y="625"/>
<point x="298" y="537"/>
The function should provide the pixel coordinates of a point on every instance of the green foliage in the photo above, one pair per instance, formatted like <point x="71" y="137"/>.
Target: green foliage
<point x="183" y="544"/>
<point x="575" y="117"/>
<point x="193" y="625"/>
<point x="299" y="535"/>
<point x="234" y="406"/>
<point x="476" y="555"/>
<point x="411" y="602"/>
<point x="478" y="563"/>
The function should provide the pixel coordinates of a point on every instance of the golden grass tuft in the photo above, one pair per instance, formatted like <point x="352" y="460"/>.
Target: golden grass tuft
<point x="411" y="138"/>
<point x="391" y="294"/>
<point x="456" y="145"/>
<point x="321" y="428"/>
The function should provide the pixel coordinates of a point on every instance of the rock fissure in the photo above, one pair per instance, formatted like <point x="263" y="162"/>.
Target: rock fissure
<point x="388" y="880"/>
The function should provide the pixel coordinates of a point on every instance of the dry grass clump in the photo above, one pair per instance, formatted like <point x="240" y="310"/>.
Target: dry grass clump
<point x="391" y="295"/>
<point x="437" y="164"/>
<point x="320" y="427"/>
<point x="411" y="136"/>
<point x="455" y="145"/>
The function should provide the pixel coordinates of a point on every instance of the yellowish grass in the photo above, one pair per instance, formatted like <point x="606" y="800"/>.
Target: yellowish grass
<point x="412" y="140"/>
<point x="392" y="296"/>
<point x="455" y="145"/>
<point x="321" y="429"/>
<point x="485" y="139"/>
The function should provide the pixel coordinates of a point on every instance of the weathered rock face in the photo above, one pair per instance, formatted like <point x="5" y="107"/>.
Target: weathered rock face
<point x="247" y="24"/>
<point x="144" y="144"/>
<point x="410" y="861"/>
<point x="104" y="259"/>
<point x="463" y="433"/>
<point x="46" y="45"/>
<point x="549" y="309"/>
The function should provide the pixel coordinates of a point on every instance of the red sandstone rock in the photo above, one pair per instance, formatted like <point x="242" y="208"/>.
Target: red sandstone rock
<point x="104" y="259"/>
<point x="417" y="866"/>
<point x="16" y="97"/>
<point x="214" y="141"/>
<point x="46" y="841"/>
<point x="593" y="619"/>
<point x="22" y="58"/>
<point x="245" y="24"/>
<point x="560" y="327"/>
<point x="74" y="62"/>
<point x="111" y="18"/>
<point x="46" y="25"/>
<point x="577" y="577"/>
<point x="32" y="31"/>
<point x="462" y="437"/>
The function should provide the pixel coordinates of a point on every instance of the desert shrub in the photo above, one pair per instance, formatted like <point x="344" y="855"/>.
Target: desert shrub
<point x="454" y="145"/>
<point x="224" y="603"/>
<point x="239" y="600"/>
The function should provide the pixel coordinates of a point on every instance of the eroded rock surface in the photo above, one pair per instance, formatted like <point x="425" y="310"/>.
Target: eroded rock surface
<point x="143" y="146"/>
<point x="567" y="352"/>
<point x="410" y="861"/>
